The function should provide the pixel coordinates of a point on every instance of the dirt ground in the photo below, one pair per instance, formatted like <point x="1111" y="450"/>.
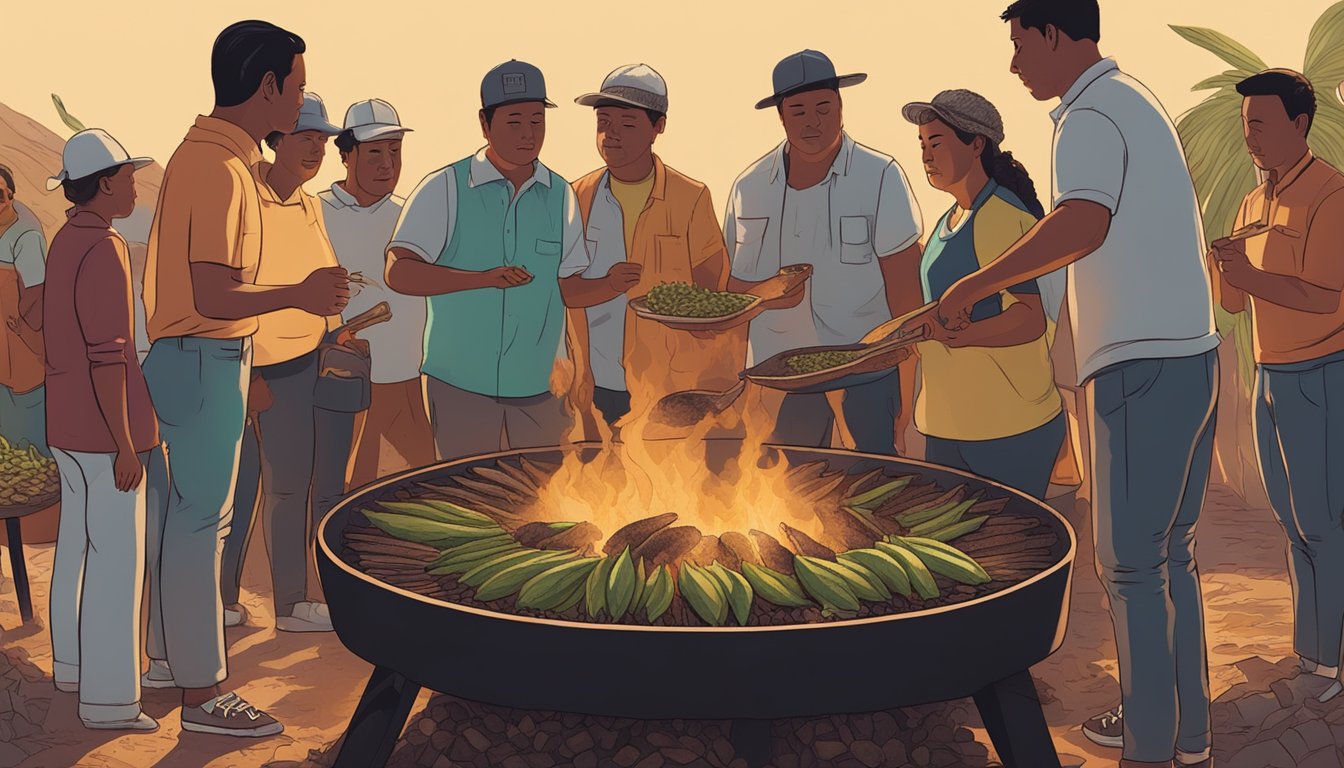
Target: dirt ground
<point x="311" y="683"/>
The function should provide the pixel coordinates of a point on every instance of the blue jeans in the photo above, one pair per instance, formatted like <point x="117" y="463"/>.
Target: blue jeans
<point x="199" y="388"/>
<point x="23" y="418"/>
<point x="1024" y="461"/>
<point x="1153" y="423"/>
<point x="870" y="413"/>
<point x="1301" y="447"/>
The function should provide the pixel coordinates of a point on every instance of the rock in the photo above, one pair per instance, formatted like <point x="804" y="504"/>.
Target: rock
<point x="921" y="756"/>
<point x="895" y="753"/>
<point x="652" y="761"/>
<point x="581" y="741"/>
<point x="476" y="739"/>
<point x="1267" y="754"/>
<point x="1276" y="718"/>
<point x="1326" y="758"/>
<point x="1316" y="734"/>
<point x="868" y="753"/>
<point x="626" y="758"/>
<point x="11" y="755"/>
<point x="680" y="756"/>
<point x="586" y="759"/>
<point x="513" y="761"/>
<point x="1255" y="708"/>
<point x="1295" y="744"/>
<point x="829" y="750"/>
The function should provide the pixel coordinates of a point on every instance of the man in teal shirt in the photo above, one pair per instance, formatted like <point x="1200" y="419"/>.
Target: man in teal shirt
<point x="496" y="243"/>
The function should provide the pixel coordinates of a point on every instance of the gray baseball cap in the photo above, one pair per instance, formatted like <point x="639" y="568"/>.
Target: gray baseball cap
<point x="961" y="109"/>
<point x="803" y="69"/>
<point x="636" y="85"/>
<point x="313" y="116"/>
<point x="511" y="82"/>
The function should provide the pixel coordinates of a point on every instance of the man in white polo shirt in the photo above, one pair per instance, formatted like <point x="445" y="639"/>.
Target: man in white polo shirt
<point x="1126" y="227"/>
<point x="361" y="212"/>
<point x="820" y="198"/>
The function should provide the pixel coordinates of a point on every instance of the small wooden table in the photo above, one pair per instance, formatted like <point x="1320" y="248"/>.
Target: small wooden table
<point x="14" y="532"/>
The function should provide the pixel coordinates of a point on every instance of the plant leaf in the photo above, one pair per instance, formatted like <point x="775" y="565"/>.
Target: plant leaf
<point x="1228" y="79"/>
<point x="66" y="117"/>
<point x="1324" y="63"/>
<point x="1223" y="47"/>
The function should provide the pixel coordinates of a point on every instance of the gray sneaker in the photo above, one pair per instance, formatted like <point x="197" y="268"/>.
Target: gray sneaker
<point x="1107" y="729"/>
<point x="142" y="722"/>
<point x="158" y="676"/>
<point x="229" y="715"/>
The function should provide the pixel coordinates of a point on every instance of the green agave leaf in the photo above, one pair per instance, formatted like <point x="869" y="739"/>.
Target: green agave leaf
<point x="1228" y="79"/>
<point x="1222" y="46"/>
<point x="66" y="117"/>
<point x="1324" y="62"/>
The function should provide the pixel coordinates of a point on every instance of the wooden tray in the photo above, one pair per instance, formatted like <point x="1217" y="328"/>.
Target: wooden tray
<point x="788" y="279"/>
<point x="775" y="373"/>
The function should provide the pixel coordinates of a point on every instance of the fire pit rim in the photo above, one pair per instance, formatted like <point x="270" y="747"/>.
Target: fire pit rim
<point x="1065" y="561"/>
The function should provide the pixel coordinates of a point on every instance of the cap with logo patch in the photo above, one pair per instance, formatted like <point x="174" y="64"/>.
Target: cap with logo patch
<point x="512" y="82"/>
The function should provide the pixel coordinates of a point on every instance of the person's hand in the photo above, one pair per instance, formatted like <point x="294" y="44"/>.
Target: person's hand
<point x="325" y="292"/>
<point x="259" y="399"/>
<point x="1232" y="261"/>
<point x="624" y="276"/>
<point x="127" y="471"/>
<point x="922" y="322"/>
<point x="12" y="323"/>
<point x="507" y="277"/>
<point x="954" y="307"/>
<point x="789" y="300"/>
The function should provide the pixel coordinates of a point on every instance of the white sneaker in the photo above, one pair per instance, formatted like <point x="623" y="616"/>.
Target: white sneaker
<point x="235" y="615"/>
<point x="65" y="687"/>
<point x="306" y="617"/>
<point x="158" y="676"/>
<point x="143" y="723"/>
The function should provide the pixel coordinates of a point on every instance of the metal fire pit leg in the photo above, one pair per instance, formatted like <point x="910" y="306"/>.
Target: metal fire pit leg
<point x="752" y="741"/>
<point x="1012" y="713"/>
<point x="16" y="561"/>
<point x="378" y="720"/>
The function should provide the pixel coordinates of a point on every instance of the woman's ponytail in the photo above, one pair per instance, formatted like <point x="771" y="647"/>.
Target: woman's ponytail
<point x="1011" y="175"/>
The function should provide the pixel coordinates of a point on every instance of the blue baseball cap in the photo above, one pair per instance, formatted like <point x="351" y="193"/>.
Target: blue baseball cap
<point x="804" y="69"/>
<point x="512" y="82"/>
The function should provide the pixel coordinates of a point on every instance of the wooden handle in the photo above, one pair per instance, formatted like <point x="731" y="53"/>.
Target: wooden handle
<point x="783" y="282"/>
<point x="891" y="326"/>
<point x="380" y="313"/>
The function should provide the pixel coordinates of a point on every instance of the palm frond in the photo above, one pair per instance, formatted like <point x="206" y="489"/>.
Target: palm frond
<point x="1324" y="62"/>
<point x="66" y="117"/>
<point x="1327" y="133"/>
<point x="1228" y="79"/>
<point x="1222" y="46"/>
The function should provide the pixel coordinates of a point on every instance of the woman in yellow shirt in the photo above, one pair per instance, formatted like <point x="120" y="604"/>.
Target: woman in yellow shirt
<point x="988" y="402"/>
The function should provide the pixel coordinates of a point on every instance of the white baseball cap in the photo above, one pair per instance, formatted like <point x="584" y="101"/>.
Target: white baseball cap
<point x="89" y="152"/>
<point x="638" y="85"/>
<point x="373" y="120"/>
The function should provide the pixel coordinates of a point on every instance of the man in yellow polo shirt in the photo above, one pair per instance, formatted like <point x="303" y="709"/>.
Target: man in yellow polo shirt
<point x="279" y="451"/>
<point x="636" y="209"/>
<point x="1290" y="269"/>
<point x="201" y="302"/>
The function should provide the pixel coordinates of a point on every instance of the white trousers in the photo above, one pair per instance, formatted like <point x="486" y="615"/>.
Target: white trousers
<point x="96" y="584"/>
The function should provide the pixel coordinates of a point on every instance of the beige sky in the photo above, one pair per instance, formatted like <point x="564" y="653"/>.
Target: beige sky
<point x="140" y="68"/>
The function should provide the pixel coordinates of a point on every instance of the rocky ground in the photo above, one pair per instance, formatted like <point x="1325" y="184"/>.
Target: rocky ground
<point x="1265" y="714"/>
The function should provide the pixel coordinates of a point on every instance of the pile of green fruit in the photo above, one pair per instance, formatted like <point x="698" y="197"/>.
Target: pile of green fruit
<point x="487" y="558"/>
<point x="686" y="300"/>
<point x="26" y="476"/>
<point x="812" y="362"/>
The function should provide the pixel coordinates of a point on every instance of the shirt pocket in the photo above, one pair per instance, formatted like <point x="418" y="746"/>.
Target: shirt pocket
<point x="856" y="240"/>
<point x="672" y="259"/>
<point x="749" y="245"/>
<point x="548" y="247"/>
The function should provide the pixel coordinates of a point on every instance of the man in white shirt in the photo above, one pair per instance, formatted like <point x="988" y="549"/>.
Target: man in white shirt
<point x="361" y="212"/>
<point x="820" y="198"/>
<point x="1126" y="225"/>
<point x="23" y="269"/>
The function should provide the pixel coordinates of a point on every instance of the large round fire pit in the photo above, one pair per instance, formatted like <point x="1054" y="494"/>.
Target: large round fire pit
<point x="971" y="642"/>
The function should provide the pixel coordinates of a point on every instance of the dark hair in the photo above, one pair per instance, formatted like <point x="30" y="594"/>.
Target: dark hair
<point x="489" y="112"/>
<point x="1079" y="19"/>
<point x="1003" y="168"/>
<point x="346" y="142"/>
<point x="825" y="85"/>
<point x="81" y="191"/>
<point x="1292" y="88"/>
<point x="244" y="53"/>
<point x="8" y="176"/>
<point x="653" y="114"/>
<point x="273" y="139"/>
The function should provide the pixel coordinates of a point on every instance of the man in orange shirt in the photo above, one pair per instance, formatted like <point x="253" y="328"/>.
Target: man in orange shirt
<point x="638" y="212"/>
<point x="1286" y="262"/>
<point x="201" y="307"/>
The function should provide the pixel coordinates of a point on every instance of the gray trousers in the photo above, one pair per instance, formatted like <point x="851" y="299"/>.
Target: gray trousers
<point x="282" y="464"/>
<point x="1301" y="447"/>
<point x="97" y="580"/>
<point x="199" y="387"/>
<point x="1153" y="423"/>
<point x="870" y="413"/>
<point x="467" y="424"/>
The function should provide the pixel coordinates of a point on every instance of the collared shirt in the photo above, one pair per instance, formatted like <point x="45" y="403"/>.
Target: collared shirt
<point x="209" y="211"/>
<point x="294" y="246"/>
<point x="1309" y="203"/>
<point x="23" y="247"/>
<point x="88" y="322"/>
<point x="22" y="265"/>
<point x="495" y="342"/>
<point x="673" y="233"/>
<point x="360" y="236"/>
<point x="1145" y="292"/>
<point x="862" y="211"/>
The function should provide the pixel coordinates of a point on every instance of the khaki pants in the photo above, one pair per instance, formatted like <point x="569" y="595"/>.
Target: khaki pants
<point x="392" y="435"/>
